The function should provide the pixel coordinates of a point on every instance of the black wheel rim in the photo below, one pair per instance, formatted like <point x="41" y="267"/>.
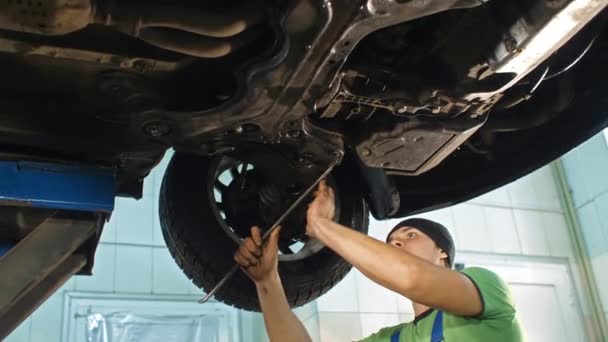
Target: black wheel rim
<point x="227" y="176"/>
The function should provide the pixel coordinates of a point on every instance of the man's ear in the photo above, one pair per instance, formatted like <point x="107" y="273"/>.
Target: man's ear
<point x="444" y="256"/>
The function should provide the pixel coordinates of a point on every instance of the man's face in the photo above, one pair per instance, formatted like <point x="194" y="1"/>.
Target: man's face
<point x="416" y="242"/>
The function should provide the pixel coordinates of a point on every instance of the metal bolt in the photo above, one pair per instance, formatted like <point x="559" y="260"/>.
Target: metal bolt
<point x="555" y="3"/>
<point x="401" y="106"/>
<point x="366" y="152"/>
<point x="510" y="44"/>
<point x="294" y="133"/>
<point x="140" y="65"/>
<point x="304" y="160"/>
<point x="157" y="129"/>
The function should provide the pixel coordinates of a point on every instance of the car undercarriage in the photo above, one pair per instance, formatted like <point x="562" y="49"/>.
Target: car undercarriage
<point x="425" y="103"/>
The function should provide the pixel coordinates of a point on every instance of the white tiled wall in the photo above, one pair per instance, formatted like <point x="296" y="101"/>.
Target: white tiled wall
<point x="600" y="267"/>
<point x="499" y="224"/>
<point x="471" y="227"/>
<point x="105" y="262"/>
<point x="372" y="322"/>
<point x="374" y="298"/>
<point x="556" y="230"/>
<point x="135" y="219"/>
<point x="342" y="298"/>
<point x="344" y="326"/>
<point x="48" y="316"/>
<point x="133" y="273"/>
<point x="590" y="220"/>
<point x="586" y="170"/>
<point x="529" y="225"/>
<point x="311" y="325"/>
<point x="166" y="278"/>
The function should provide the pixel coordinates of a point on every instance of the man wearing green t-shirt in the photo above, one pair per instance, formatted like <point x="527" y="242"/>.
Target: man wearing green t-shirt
<point x="416" y="262"/>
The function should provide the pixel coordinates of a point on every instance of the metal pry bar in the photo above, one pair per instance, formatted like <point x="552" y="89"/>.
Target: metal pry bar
<point x="236" y="267"/>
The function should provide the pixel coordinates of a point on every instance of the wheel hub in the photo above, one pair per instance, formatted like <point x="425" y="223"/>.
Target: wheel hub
<point x="240" y="204"/>
<point x="246" y="196"/>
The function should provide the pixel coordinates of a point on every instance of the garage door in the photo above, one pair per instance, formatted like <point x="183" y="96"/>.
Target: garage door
<point x="546" y="299"/>
<point x="98" y="317"/>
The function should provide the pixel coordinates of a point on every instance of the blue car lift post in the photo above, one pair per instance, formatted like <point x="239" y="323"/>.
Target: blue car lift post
<point x="79" y="199"/>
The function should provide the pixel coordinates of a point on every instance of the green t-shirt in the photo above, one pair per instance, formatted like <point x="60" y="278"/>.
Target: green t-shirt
<point x="497" y="322"/>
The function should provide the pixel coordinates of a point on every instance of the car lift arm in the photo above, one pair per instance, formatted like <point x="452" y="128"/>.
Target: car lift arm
<point x="60" y="246"/>
<point x="38" y="265"/>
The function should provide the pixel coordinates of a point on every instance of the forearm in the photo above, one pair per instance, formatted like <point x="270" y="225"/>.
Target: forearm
<point x="382" y="263"/>
<point x="281" y="323"/>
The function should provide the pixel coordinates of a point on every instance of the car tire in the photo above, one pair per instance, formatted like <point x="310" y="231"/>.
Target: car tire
<point x="205" y="252"/>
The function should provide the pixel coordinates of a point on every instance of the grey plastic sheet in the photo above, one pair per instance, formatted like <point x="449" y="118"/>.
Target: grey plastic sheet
<point x="129" y="327"/>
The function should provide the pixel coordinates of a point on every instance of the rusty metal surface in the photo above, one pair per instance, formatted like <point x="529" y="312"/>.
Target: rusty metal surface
<point x="39" y="264"/>
<point x="545" y="28"/>
<point x="136" y="64"/>
<point x="172" y="28"/>
<point x="47" y="17"/>
<point x="261" y="93"/>
<point x="39" y="293"/>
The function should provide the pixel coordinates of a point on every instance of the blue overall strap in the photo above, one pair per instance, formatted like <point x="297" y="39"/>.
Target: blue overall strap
<point x="436" y="333"/>
<point x="395" y="336"/>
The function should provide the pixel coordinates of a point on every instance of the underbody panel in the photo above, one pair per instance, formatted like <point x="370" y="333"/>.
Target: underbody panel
<point x="433" y="101"/>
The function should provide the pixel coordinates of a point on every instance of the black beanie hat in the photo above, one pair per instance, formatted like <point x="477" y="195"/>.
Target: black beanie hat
<point x="436" y="231"/>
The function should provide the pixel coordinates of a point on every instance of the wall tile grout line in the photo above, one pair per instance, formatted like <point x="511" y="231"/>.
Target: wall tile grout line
<point x="152" y="255"/>
<point x="519" y="243"/>
<point x="29" y="330"/>
<point x="498" y="206"/>
<point x="546" y="232"/>
<point x="115" y="267"/>
<point x="591" y="200"/>
<point x="130" y="244"/>
<point x="484" y="225"/>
